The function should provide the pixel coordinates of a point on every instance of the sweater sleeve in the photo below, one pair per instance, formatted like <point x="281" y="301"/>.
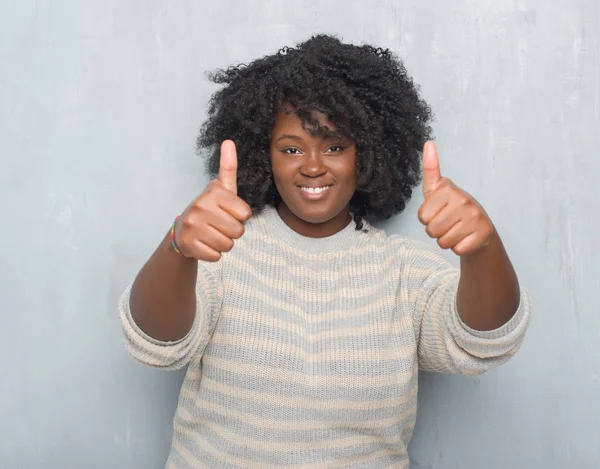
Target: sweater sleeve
<point x="177" y="354"/>
<point x="444" y="342"/>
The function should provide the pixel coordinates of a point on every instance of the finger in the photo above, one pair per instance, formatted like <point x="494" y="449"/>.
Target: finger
<point x="226" y="224"/>
<point x="431" y="168"/>
<point x="469" y="244"/>
<point x="199" y="250"/>
<point x="443" y="221"/>
<point x="193" y="242"/>
<point x="455" y="235"/>
<point x="433" y="205"/>
<point x="215" y="240"/>
<point x="235" y="207"/>
<point x="228" y="166"/>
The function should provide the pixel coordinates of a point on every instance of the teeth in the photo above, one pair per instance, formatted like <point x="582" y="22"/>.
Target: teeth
<point x="314" y="190"/>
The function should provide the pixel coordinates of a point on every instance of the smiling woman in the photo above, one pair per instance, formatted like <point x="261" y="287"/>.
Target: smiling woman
<point x="364" y="95"/>
<point x="303" y="326"/>
<point x="314" y="173"/>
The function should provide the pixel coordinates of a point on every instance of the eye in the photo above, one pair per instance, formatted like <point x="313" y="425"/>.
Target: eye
<point x="291" y="151"/>
<point x="335" y="149"/>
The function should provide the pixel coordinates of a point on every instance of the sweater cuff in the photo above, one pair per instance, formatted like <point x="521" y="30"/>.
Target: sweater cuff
<point x="128" y="320"/>
<point x="497" y="341"/>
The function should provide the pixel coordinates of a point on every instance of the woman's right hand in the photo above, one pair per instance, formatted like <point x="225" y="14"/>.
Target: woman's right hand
<point x="208" y="226"/>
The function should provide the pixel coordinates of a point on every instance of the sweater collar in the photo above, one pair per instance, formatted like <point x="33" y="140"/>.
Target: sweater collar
<point x="346" y="238"/>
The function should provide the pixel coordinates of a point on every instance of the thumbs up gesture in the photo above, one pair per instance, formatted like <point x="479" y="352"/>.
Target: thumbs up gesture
<point x="210" y="223"/>
<point x="451" y="215"/>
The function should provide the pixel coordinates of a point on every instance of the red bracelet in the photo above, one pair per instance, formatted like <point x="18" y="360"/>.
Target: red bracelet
<point x="173" y="243"/>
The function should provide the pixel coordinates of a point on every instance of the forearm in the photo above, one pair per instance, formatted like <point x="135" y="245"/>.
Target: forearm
<point x="488" y="290"/>
<point x="163" y="295"/>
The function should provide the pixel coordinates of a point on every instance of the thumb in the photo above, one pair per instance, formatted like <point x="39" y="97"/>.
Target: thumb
<point x="431" y="168"/>
<point x="228" y="166"/>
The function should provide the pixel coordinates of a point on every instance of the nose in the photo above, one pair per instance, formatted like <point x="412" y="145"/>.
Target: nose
<point x="313" y="165"/>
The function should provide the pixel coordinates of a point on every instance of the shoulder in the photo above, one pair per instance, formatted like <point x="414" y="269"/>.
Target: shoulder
<point x="256" y="228"/>
<point x="405" y="249"/>
<point x="378" y="237"/>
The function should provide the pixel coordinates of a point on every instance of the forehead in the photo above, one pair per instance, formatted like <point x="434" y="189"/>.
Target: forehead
<point x="317" y="123"/>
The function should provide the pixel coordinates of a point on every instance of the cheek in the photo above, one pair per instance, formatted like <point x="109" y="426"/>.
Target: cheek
<point x="275" y="169"/>
<point x="352" y="183"/>
<point x="350" y="172"/>
<point x="281" y="173"/>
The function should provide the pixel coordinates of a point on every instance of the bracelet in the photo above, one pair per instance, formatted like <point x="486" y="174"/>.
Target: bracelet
<point x="173" y="243"/>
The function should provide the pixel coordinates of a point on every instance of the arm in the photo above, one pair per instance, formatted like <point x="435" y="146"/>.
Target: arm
<point x="145" y="305"/>
<point x="475" y="315"/>
<point x="163" y="298"/>
<point x="488" y="291"/>
<point x="445" y="343"/>
<point x="170" y="309"/>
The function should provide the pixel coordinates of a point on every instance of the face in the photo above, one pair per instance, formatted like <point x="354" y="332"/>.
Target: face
<point x="314" y="174"/>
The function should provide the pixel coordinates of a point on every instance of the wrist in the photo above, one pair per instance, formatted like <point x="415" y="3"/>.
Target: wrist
<point x="173" y="237"/>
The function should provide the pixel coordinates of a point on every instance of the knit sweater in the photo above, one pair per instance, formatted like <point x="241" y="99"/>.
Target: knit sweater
<point x="305" y="352"/>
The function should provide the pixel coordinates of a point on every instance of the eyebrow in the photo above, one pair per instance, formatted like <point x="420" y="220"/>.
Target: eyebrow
<point x="297" y="138"/>
<point x="290" y="136"/>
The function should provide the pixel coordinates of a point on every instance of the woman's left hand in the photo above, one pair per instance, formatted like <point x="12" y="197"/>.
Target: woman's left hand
<point x="451" y="215"/>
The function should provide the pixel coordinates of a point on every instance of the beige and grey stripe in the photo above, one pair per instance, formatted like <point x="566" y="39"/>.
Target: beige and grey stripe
<point x="305" y="353"/>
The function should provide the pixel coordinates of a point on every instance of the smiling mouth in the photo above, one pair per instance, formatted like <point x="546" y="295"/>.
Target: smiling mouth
<point x="314" y="190"/>
<point x="314" y="194"/>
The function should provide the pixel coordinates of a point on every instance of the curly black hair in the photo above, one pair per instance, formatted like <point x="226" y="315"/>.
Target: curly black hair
<point x="364" y="90"/>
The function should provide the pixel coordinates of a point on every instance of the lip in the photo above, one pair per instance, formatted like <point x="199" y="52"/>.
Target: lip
<point x="314" y="196"/>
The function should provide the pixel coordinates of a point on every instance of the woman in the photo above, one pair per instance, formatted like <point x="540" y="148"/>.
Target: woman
<point x="303" y="327"/>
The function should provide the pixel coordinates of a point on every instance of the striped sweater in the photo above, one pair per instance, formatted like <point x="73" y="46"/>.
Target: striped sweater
<point x="305" y="352"/>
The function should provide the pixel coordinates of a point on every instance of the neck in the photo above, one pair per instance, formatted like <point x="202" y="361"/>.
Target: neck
<point x="314" y="230"/>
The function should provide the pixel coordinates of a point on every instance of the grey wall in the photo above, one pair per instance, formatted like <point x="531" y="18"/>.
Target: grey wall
<point x="100" y="103"/>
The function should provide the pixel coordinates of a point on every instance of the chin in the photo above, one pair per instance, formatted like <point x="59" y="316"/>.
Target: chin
<point x="314" y="214"/>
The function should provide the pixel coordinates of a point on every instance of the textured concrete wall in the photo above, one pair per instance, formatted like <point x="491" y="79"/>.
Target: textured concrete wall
<point x="100" y="103"/>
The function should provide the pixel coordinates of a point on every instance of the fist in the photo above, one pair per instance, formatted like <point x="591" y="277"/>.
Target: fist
<point x="451" y="216"/>
<point x="208" y="226"/>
